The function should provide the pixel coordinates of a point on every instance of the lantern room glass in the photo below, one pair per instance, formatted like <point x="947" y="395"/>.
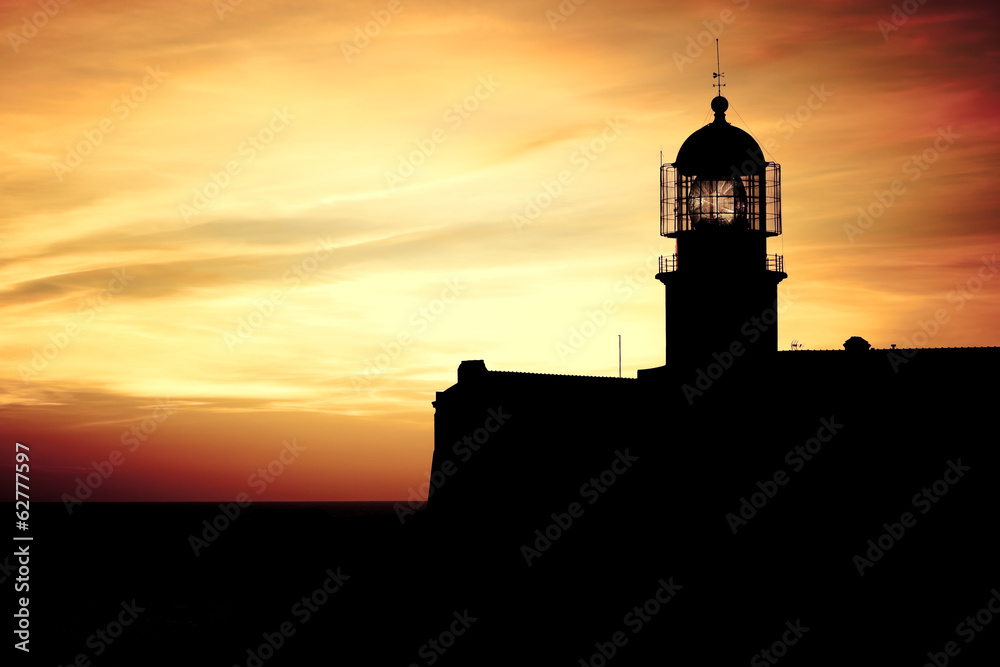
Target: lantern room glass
<point x="717" y="203"/>
<point x="739" y="202"/>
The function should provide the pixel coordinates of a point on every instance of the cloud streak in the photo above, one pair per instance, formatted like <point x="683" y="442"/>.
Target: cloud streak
<point x="388" y="252"/>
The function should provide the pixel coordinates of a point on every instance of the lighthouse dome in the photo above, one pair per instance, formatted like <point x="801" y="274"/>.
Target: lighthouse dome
<point x="720" y="150"/>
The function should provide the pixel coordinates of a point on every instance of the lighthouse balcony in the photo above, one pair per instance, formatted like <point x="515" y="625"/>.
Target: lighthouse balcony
<point x="775" y="262"/>
<point x="668" y="263"/>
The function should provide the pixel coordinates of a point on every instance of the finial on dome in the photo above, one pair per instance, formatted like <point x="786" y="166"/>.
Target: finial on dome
<point x="719" y="103"/>
<point x="719" y="106"/>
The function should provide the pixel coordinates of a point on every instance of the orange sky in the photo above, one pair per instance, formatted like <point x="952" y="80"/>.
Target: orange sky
<point x="289" y="232"/>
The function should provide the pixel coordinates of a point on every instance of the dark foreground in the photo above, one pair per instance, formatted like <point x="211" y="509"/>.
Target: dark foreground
<point x="346" y="584"/>
<point x="282" y="583"/>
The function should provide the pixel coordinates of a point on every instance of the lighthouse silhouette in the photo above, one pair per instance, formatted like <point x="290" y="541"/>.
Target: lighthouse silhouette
<point x="720" y="201"/>
<point x="737" y="504"/>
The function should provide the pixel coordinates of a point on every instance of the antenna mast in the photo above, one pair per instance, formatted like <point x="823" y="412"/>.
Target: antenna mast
<point x="719" y="74"/>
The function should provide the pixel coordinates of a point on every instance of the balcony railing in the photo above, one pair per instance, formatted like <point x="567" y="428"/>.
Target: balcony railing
<point x="775" y="262"/>
<point x="668" y="263"/>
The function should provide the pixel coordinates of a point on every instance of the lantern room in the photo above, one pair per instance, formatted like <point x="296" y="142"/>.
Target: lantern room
<point x="720" y="181"/>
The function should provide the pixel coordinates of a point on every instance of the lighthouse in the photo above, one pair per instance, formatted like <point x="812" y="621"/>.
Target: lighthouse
<point x="720" y="200"/>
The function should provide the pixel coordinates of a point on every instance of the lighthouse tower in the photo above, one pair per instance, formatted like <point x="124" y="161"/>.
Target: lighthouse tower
<point x="720" y="200"/>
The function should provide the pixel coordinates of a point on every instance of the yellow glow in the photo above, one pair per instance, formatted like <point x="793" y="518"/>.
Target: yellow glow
<point x="271" y="213"/>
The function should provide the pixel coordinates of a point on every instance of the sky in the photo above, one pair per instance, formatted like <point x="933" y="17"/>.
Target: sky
<point x="243" y="243"/>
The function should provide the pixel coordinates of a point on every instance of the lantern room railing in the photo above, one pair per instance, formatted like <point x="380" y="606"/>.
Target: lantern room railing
<point x="738" y="201"/>
<point x="775" y="262"/>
